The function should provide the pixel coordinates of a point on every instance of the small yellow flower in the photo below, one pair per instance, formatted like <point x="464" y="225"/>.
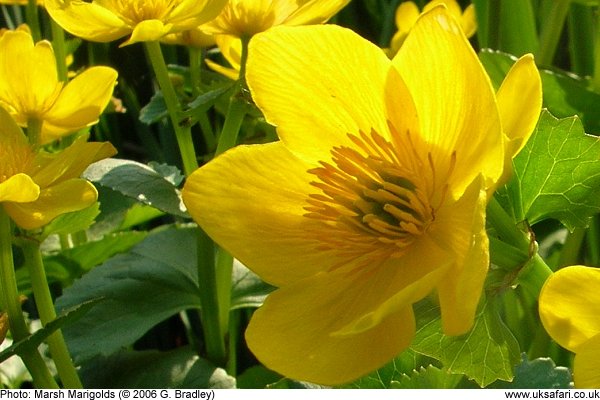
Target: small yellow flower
<point x="191" y="38"/>
<point x="36" y="187"/>
<point x="20" y="2"/>
<point x="242" y="18"/>
<point x="373" y="198"/>
<point x="231" y="49"/>
<point x="569" y="307"/>
<point x="30" y="89"/>
<point x="407" y="14"/>
<point x="144" y="20"/>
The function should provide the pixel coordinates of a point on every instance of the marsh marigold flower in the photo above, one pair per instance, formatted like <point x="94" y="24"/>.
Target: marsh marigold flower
<point x="242" y="18"/>
<point x="35" y="186"/>
<point x="407" y="14"/>
<point x="30" y="89"/>
<point x="569" y="307"/>
<point x="144" y="20"/>
<point x="373" y="198"/>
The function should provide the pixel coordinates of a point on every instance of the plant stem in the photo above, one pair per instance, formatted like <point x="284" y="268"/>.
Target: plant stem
<point x="10" y="299"/>
<point x="34" y="131"/>
<point x="593" y="239"/>
<point x="33" y="20"/>
<point x="596" y="75"/>
<point x="533" y="276"/>
<point x="551" y="30"/>
<point x="60" y="52"/>
<point x="195" y="55"/>
<point x="209" y="300"/>
<point x="43" y="300"/>
<point x="505" y="226"/>
<point x="183" y="132"/>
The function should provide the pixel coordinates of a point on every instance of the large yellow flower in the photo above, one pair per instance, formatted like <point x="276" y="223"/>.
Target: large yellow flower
<point x="30" y="89"/>
<point x="374" y="197"/>
<point x="145" y="20"/>
<point x="570" y="311"/>
<point x="242" y="18"/>
<point x="407" y="14"/>
<point x="36" y="187"/>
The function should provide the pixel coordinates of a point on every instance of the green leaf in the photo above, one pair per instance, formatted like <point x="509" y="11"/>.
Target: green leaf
<point x="204" y="101"/>
<point x="485" y="354"/>
<point x="70" y="264"/>
<point x="556" y="175"/>
<point x="153" y="281"/>
<point x="33" y="341"/>
<point x="427" y="378"/>
<point x="179" y="368"/>
<point x="170" y="172"/>
<point x="155" y="110"/>
<point x="564" y="94"/>
<point x="287" y="383"/>
<point x="72" y="222"/>
<point x="540" y="373"/>
<point x="257" y="377"/>
<point x="139" y="182"/>
<point x="247" y="289"/>
<point x="383" y="378"/>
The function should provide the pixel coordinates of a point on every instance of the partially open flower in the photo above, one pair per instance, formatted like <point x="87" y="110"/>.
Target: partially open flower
<point x="36" y="187"/>
<point x="375" y="196"/>
<point x="30" y="89"/>
<point x="570" y="311"/>
<point x="407" y="14"/>
<point x="144" y="20"/>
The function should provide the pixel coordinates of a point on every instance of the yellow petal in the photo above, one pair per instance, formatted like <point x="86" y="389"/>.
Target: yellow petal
<point x="407" y="14"/>
<point x="318" y="84"/>
<point x="87" y="20"/>
<point x="315" y="12"/>
<point x="231" y="49"/>
<point x="569" y="305"/>
<point x="68" y="196"/>
<point x="469" y="21"/>
<point x="81" y="102"/>
<point x="70" y="163"/>
<point x="192" y="13"/>
<point x="230" y="73"/>
<point x="519" y="103"/>
<point x="586" y="367"/>
<point x="461" y="228"/>
<point x="148" y="30"/>
<point x="29" y="81"/>
<point x="291" y="333"/>
<point x="454" y="100"/>
<point x="397" y="284"/>
<point x="19" y="188"/>
<point x="250" y="200"/>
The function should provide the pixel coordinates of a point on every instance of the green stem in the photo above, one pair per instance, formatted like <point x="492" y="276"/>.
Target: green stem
<point x="234" y="337"/>
<point x="43" y="300"/>
<point x="33" y="20"/>
<point x="581" y="48"/>
<point x="596" y="75"/>
<point x="183" y="132"/>
<point x="34" y="131"/>
<point x="533" y="275"/>
<point x="551" y="30"/>
<point x="10" y="299"/>
<point x="208" y="134"/>
<point x="505" y="226"/>
<point x="60" y="52"/>
<point x="209" y="300"/>
<point x="233" y="122"/>
<point x="224" y="268"/>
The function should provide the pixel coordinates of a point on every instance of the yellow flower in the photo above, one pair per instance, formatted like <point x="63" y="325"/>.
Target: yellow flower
<point x="231" y="49"/>
<point x="407" y="14"/>
<point x="569" y="307"/>
<point x="20" y="2"/>
<point x="192" y="38"/>
<point x="374" y="197"/>
<point x="145" y="20"/>
<point x="248" y="17"/>
<point x="30" y="90"/>
<point x="36" y="187"/>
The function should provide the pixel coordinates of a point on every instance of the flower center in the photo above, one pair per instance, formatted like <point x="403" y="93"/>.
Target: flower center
<point x="135" y="11"/>
<point x="370" y="200"/>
